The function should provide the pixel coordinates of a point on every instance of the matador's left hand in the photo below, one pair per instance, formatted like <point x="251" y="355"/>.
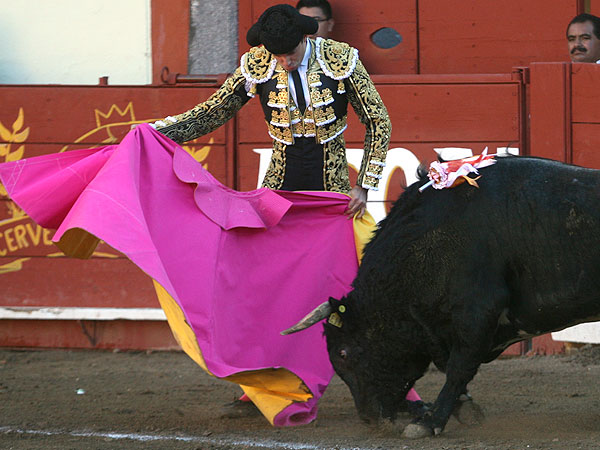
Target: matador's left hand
<point x="358" y="202"/>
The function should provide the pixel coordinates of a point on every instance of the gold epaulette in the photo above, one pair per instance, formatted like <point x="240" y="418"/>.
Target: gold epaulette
<point x="257" y="65"/>
<point x="337" y="59"/>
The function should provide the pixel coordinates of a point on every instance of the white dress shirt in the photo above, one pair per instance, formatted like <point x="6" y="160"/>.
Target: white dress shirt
<point x="302" y="72"/>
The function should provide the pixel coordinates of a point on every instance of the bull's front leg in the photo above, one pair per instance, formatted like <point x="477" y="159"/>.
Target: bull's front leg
<point x="434" y="420"/>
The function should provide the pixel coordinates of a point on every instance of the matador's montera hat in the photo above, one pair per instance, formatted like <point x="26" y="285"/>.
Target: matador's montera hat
<point x="280" y="29"/>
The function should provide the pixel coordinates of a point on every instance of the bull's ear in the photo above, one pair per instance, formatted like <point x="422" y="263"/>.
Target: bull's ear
<point x="338" y="305"/>
<point x="338" y="309"/>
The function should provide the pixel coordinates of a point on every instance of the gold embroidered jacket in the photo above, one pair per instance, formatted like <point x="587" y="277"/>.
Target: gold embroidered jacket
<point x="335" y="77"/>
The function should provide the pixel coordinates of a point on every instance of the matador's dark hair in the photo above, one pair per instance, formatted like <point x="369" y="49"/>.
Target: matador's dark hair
<point x="280" y="29"/>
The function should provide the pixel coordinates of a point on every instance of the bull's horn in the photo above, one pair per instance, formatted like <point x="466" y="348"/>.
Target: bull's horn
<point x="317" y="314"/>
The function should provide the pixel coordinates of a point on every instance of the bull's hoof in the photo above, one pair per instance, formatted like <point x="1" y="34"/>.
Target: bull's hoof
<point x="416" y="431"/>
<point x="468" y="412"/>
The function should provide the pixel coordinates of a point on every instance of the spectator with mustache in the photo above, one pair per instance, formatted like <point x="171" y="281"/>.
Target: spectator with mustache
<point x="583" y="38"/>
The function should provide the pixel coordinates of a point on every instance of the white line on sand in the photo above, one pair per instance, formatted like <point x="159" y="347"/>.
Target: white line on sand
<point x="254" y="443"/>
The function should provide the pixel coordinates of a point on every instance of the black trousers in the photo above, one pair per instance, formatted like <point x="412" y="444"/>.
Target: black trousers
<point x="303" y="166"/>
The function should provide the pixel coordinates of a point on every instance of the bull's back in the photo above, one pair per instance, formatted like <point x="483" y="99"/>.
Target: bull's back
<point x="551" y="253"/>
<point x="532" y="226"/>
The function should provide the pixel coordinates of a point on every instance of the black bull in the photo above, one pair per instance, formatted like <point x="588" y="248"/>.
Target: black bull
<point x="455" y="276"/>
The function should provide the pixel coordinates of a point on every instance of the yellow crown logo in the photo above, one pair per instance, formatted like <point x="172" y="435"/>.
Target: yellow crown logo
<point x="115" y="115"/>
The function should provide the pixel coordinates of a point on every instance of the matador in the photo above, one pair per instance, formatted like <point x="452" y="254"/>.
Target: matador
<point x="304" y="87"/>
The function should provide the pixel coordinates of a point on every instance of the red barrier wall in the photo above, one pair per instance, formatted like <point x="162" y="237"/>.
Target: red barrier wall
<point x="546" y="109"/>
<point x="489" y="37"/>
<point x="565" y="121"/>
<point x="443" y="36"/>
<point x="428" y="112"/>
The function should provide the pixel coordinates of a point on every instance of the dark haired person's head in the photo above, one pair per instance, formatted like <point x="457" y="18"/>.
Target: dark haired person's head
<point x="583" y="38"/>
<point x="282" y="30"/>
<point x="320" y="10"/>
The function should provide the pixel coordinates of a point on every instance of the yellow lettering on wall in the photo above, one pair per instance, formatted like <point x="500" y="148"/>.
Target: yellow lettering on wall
<point x="24" y="235"/>
<point x="20" y="233"/>
<point x="10" y="242"/>
<point x="34" y="236"/>
<point x="47" y="237"/>
<point x="3" y="251"/>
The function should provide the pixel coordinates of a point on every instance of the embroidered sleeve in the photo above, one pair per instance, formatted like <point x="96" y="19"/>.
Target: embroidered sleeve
<point x="209" y="115"/>
<point x="371" y="111"/>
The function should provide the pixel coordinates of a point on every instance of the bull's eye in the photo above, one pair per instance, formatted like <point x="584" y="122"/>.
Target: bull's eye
<point x="343" y="354"/>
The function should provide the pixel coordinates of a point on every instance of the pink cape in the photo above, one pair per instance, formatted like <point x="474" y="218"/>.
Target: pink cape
<point x="241" y="266"/>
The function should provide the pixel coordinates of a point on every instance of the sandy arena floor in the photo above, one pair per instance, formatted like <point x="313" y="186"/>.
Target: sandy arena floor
<point x="163" y="400"/>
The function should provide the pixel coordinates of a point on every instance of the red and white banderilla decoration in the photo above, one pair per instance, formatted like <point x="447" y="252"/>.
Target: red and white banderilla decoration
<point x="452" y="173"/>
